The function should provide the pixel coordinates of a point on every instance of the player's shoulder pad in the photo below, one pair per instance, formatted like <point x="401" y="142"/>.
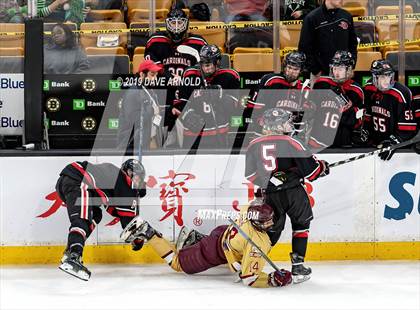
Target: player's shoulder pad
<point x="158" y="37"/>
<point x="192" y="71"/>
<point x="298" y="145"/>
<point x="401" y="92"/>
<point x="324" y="82"/>
<point x="194" y="39"/>
<point x="228" y="72"/>
<point x="355" y="87"/>
<point x="273" y="78"/>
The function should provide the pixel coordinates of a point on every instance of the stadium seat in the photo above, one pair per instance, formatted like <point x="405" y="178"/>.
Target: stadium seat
<point x="289" y="35"/>
<point x="213" y="36"/>
<point x="105" y="50"/>
<point x="11" y="64"/>
<point x="141" y="15"/>
<point x="90" y="39"/>
<point x="392" y="9"/>
<point x="12" y="40"/>
<point x="413" y="3"/>
<point x="253" y="50"/>
<point x="253" y="62"/>
<point x="145" y="4"/>
<point x="106" y="64"/>
<point x="388" y="30"/>
<point x="11" y="51"/>
<point x="248" y="37"/>
<point x="106" y="15"/>
<point x="365" y="59"/>
<point x="357" y="10"/>
<point x="139" y="50"/>
<point x="137" y="60"/>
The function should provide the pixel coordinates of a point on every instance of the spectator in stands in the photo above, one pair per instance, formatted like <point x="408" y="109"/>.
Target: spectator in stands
<point x="65" y="10"/>
<point x="12" y="12"/>
<point x="326" y="30"/>
<point x="292" y="9"/>
<point x="62" y="55"/>
<point x="253" y="9"/>
<point x="132" y="116"/>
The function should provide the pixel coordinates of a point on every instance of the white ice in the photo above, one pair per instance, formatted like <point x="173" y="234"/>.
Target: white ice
<point x="334" y="285"/>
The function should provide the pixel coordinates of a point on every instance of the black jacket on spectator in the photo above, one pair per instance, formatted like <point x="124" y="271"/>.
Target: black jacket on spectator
<point x="323" y="33"/>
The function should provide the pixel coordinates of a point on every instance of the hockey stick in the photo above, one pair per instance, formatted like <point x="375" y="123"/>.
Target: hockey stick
<point x="247" y="238"/>
<point x="385" y="149"/>
<point x="185" y="49"/>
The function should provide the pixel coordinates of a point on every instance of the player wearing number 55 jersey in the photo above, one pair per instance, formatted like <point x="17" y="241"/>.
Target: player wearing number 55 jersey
<point x="389" y="110"/>
<point x="278" y="164"/>
<point x="223" y="245"/>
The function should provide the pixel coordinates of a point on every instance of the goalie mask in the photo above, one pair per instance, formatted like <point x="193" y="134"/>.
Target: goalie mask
<point x="210" y="59"/>
<point x="341" y="66"/>
<point x="293" y="65"/>
<point x="135" y="171"/>
<point x="261" y="215"/>
<point x="177" y="24"/>
<point x="277" y="121"/>
<point x="382" y="74"/>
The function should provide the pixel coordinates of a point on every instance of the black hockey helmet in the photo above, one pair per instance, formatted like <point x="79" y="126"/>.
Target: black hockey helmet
<point x="278" y="120"/>
<point x="210" y="54"/>
<point x="132" y="168"/>
<point x="261" y="215"/>
<point x="177" y="24"/>
<point x="342" y="59"/>
<point x="382" y="67"/>
<point x="293" y="59"/>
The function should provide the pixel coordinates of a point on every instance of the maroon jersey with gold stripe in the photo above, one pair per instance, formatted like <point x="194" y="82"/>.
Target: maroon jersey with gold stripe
<point x="389" y="113"/>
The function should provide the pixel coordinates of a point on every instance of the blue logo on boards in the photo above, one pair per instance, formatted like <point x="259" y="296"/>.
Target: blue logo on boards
<point x="403" y="197"/>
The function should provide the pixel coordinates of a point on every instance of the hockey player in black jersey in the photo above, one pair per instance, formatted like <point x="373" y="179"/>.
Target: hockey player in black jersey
<point x="284" y="91"/>
<point x="85" y="187"/>
<point x="389" y="108"/>
<point x="278" y="164"/>
<point x="211" y="102"/>
<point x="334" y="124"/>
<point x="162" y="49"/>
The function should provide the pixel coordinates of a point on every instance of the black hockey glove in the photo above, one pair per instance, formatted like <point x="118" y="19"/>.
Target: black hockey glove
<point x="192" y="121"/>
<point x="280" y="278"/>
<point x="360" y="136"/>
<point x="393" y="140"/>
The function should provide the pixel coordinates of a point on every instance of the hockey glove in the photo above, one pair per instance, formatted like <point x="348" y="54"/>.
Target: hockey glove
<point x="280" y="278"/>
<point x="393" y="140"/>
<point x="325" y="168"/>
<point x="137" y="244"/>
<point x="192" y="121"/>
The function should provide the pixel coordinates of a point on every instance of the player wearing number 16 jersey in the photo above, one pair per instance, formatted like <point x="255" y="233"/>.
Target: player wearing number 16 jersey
<point x="278" y="164"/>
<point x="389" y="110"/>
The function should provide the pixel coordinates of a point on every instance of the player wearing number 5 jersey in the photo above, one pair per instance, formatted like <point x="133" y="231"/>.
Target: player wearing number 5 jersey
<point x="389" y="110"/>
<point x="223" y="245"/>
<point x="278" y="164"/>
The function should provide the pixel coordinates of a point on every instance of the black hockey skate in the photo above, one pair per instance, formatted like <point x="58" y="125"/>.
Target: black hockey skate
<point x="300" y="273"/>
<point x="187" y="237"/>
<point x="72" y="264"/>
<point x="138" y="229"/>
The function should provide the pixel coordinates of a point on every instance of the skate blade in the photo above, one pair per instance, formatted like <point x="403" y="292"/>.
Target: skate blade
<point x="130" y="228"/>
<point x="80" y="275"/>
<point x="300" y="278"/>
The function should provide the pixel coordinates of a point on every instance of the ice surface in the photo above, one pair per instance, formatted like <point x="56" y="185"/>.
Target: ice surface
<point x="334" y="285"/>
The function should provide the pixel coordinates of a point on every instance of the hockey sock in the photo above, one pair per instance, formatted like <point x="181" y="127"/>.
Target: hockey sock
<point x="300" y="242"/>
